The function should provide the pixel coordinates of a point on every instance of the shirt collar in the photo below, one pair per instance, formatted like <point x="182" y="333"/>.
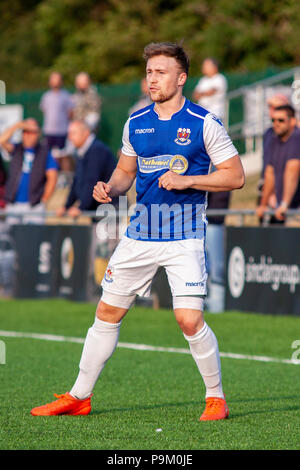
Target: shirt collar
<point x="84" y="148"/>
<point x="183" y="107"/>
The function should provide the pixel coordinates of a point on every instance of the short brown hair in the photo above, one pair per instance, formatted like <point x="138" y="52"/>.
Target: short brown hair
<point x="290" y="111"/>
<point x="168" y="49"/>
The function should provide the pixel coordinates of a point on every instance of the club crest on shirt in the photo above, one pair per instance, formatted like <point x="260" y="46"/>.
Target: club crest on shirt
<point x="108" y="276"/>
<point x="183" y="135"/>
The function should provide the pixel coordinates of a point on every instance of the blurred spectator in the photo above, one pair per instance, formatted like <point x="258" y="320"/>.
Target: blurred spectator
<point x="87" y="102"/>
<point x="56" y="105"/>
<point x="144" y="99"/>
<point x="32" y="172"/>
<point x="283" y="164"/>
<point x="273" y="102"/>
<point x="94" y="162"/>
<point x="215" y="246"/>
<point x="2" y="182"/>
<point x="87" y="108"/>
<point x="210" y="92"/>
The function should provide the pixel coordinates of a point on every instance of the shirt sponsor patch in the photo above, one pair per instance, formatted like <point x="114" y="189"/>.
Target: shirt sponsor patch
<point x="176" y="163"/>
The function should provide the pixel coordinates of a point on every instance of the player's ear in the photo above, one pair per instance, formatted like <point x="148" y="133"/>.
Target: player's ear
<point x="182" y="78"/>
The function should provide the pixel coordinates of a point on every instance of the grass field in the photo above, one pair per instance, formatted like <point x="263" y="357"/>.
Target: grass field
<point x="141" y="391"/>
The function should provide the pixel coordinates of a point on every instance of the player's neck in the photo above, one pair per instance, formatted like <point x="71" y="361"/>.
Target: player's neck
<point x="166" y="109"/>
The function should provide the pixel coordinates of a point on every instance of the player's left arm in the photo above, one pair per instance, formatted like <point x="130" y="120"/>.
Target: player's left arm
<point x="290" y="183"/>
<point x="229" y="172"/>
<point x="229" y="175"/>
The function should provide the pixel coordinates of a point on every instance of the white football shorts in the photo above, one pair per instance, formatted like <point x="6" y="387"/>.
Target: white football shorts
<point x="133" y="265"/>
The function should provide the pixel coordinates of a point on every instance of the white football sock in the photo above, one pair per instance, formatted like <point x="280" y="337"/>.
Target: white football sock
<point x="205" y="351"/>
<point x="100" y="343"/>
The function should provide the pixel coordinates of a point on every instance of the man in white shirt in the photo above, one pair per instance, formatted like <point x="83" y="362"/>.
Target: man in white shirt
<point x="56" y="105"/>
<point x="210" y="91"/>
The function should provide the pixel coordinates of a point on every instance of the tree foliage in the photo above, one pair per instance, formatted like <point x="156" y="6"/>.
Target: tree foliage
<point x="107" y="37"/>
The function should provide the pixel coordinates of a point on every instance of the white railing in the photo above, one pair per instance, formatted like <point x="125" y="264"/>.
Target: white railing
<point x="240" y="215"/>
<point x="252" y="127"/>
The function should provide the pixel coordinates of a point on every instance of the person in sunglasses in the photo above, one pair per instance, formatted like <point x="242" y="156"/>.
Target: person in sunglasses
<point x="32" y="174"/>
<point x="282" y="171"/>
<point x="277" y="99"/>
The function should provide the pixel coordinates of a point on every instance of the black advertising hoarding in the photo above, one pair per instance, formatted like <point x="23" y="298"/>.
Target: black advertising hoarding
<point x="35" y="276"/>
<point x="67" y="261"/>
<point x="72" y="258"/>
<point x="263" y="269"/>
<point x="52" y="261"/>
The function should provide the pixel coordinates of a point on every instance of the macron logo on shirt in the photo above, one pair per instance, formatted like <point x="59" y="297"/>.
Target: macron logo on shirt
<point x="145" y="131"/>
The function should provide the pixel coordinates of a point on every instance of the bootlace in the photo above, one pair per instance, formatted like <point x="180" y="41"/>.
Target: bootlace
<point x="213" y="405"/>
<point x="63" y="395"/>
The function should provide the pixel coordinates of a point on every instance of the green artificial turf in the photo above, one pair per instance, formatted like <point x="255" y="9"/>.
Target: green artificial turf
<point x="140" y="392"/>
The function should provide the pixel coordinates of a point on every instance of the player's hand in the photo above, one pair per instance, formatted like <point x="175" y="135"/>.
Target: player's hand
<point x="74" y="212"/>
<point x="280" y="212"/>
<point x="60" y="211"/>
<point x="260" y="211"/>
<point x="171" y="180"/>
<point x="101" y="192"/>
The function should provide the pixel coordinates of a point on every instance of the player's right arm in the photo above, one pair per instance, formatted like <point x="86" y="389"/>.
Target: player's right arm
<point x="120" y="182"/>
<point x="123" y="176"/>
<point x="7" y="135"/>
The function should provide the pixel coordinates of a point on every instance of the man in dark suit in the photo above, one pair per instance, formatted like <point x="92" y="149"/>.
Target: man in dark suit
<point x="94" y="162"/>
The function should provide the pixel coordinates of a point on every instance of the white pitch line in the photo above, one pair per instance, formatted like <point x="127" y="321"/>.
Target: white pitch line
<point x="142" y="347"/>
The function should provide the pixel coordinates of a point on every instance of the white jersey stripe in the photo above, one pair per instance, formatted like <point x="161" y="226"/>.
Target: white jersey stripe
<point x="194" y="114"/>
<point x="141" y="114"/>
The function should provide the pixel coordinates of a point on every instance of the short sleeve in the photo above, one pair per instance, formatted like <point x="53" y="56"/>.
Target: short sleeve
<point x="294" y="151"/>
<point x="216" y="140"/>
<point x="51" y="163"/>
<point x="127" y="148"/>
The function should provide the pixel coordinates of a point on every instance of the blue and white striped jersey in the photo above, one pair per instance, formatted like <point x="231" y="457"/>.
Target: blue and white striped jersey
<point x="187" y="144"/>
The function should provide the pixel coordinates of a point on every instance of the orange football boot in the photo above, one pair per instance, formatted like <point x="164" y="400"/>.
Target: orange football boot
<point x="64" y="405"/>
<point x="216" y="408"/>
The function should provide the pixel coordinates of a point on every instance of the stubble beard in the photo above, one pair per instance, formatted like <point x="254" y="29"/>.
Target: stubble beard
<point x="283" y="134"/>
<point x="161" y="97"/>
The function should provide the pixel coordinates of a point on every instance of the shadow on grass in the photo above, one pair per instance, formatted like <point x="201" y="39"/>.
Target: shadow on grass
<point x="201" y="403"/>
<point x="146" y="407"/>
<point x="266" y="410"/>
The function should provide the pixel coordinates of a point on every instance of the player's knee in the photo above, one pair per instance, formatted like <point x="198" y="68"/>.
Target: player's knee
<point x="109" y="313"/>
<point x="188" y="324"/>
<point x="189" y="313"/>
<point x="113" y="307"/>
